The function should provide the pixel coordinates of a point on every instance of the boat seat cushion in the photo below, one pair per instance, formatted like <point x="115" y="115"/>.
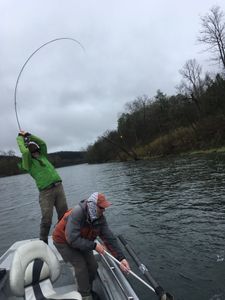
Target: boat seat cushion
<point x="34" y="266"/>
<point x="21" y="274"/>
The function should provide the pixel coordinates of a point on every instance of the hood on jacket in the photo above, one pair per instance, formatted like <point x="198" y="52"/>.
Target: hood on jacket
<point x="96" y="199"/>
<point x="92" y="206"/>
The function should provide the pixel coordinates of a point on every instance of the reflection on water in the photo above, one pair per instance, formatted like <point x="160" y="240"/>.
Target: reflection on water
<point x="170" y="210"/>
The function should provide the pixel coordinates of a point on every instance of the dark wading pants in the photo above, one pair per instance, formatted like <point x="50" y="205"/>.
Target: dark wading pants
<point x="49" y="198"/>
<point x="84" y="264"/>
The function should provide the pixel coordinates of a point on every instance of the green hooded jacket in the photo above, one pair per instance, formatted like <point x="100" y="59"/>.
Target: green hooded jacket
<point x="39" y="168"/>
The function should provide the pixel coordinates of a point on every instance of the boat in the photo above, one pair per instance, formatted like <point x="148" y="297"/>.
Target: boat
<point x="31" y="269"/>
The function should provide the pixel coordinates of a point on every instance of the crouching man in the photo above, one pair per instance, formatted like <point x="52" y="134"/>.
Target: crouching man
<point x="74" y="237"/>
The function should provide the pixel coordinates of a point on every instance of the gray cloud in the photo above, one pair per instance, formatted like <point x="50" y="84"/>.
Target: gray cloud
<point x="69" y="97"/>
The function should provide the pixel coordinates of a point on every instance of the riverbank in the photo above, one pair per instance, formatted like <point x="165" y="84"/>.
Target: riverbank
<point x="209" y="151"/>
<point x="8" y="164"/>
<point x="206" y="152"/>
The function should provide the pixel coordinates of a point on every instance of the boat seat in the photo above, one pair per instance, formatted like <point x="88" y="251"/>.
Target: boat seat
<point x="33" y="270"/>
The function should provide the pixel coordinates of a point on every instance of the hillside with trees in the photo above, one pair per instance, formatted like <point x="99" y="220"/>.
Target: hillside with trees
<point x="191" y="120"/>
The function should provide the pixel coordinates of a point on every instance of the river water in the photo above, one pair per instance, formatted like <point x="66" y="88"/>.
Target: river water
<point x="172" y="211"/>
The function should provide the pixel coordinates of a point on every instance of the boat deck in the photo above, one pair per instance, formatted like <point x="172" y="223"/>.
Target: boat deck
<point x="110" y="284"/>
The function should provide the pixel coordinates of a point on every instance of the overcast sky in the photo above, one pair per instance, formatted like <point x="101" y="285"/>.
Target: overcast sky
<point x="68" y="96"/>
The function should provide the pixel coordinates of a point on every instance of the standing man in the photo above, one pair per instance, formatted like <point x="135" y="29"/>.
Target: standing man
<point x="48" y="181"/>
<point x="74" y="237"/>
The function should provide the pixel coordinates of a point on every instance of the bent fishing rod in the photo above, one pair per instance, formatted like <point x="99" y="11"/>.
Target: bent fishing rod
<point x="32" y="54"/>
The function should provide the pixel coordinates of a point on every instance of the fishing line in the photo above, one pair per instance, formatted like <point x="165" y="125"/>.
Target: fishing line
<point x="18" y="78"/>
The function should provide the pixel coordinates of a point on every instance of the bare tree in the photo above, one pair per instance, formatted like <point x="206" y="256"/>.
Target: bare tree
<point x="7" y="153"/>
<point x="11" y="153"/>
<point x="138" y="104"/>
<point x="213" y="33"/>
<point x="192" y="84"/>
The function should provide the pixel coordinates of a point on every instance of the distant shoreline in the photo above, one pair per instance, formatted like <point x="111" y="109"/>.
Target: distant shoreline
<point x="8" y="164"/>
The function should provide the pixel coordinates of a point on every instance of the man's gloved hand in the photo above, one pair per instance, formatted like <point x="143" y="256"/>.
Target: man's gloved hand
<point x="24" y="133"/>
<point x="124" y="266"/>
<point x="100" y="248"/>
<point x="26" y="136"/>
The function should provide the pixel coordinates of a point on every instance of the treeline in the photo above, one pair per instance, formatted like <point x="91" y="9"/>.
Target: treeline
<point x="67" y="158"/>
<point x="192" y="119"/>
<point x="8" y="161"/>
<point x="8" y="165"/>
